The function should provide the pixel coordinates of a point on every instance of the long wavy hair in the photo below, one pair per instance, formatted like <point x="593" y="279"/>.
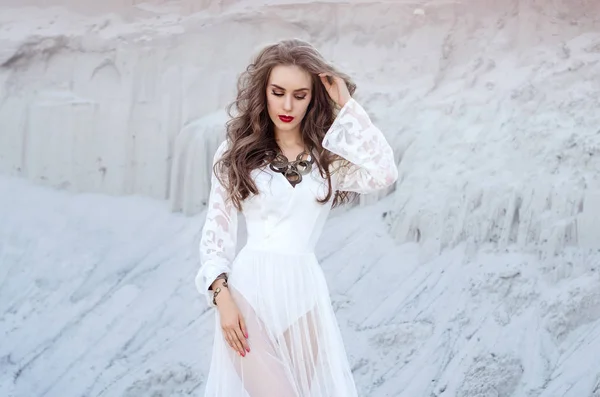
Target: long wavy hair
<point x="250" y="131"/>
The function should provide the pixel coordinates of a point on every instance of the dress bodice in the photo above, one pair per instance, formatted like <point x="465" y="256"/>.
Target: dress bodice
<point x="283" y="218"/>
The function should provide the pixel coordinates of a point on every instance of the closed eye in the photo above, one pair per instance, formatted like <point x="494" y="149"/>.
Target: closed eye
<point x="279" y="94"/>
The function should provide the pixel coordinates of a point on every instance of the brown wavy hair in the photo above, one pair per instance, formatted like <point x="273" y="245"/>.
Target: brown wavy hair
<point x="250" y="130"/>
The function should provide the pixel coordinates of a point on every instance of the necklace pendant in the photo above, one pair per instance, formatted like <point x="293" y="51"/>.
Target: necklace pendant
<point x="293" y="176"/>
<point x="292" y="170"/>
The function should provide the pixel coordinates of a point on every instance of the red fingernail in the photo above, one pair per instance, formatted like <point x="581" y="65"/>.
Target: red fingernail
<point x="248" y="349"/>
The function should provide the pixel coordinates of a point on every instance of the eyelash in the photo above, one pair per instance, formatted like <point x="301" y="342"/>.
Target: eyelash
<point x="280" y="95"/>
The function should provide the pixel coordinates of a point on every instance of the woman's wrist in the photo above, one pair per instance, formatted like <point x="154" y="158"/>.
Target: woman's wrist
<point x="223" y="295"/>
<point x="219" y="287"/>
<point x="218" y="283"/>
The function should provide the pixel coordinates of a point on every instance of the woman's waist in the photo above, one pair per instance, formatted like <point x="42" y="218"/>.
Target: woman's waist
<point x="285" y="243"/>
<point x="283" y="235"/>
<point x="284" y="251"/>
<point x="262" y="250"/>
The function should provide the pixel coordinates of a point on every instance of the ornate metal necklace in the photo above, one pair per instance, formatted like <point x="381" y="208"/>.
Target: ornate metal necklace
<point x="293" y="170"/>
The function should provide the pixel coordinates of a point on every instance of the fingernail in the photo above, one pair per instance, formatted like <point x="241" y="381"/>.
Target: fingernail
<point x="248" y="349"/>
<point x="246" y="334"/>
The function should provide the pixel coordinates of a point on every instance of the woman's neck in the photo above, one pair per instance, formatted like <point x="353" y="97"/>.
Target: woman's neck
<point x="289" y="140"/>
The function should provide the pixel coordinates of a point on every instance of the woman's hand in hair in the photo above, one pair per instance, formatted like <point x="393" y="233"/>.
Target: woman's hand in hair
<point x="336" y="88"/>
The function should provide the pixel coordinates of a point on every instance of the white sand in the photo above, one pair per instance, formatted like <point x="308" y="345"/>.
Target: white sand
<point x="482" y="280"/>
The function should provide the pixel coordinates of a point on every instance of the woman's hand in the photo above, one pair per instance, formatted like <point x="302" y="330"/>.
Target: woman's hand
<point x="232" y="323"/>
<point x="336" y="88"/>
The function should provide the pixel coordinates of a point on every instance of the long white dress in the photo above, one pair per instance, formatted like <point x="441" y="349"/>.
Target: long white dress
<point x="296" y="348"/>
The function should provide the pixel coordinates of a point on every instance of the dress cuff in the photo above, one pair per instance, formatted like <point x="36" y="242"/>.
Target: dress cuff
<point x="205" y="277"/>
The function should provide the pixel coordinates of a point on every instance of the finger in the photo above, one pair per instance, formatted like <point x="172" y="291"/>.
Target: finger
<point x="231" y="339"/>
<point x="227" y="338"/>
<point x="339" y="80"/>
<point x="243" y="327"/>
<point x="237" y="343"/>
<point x="331" y="78"/>
<point x="243" y="341"/>
<point x="325" y="80"/>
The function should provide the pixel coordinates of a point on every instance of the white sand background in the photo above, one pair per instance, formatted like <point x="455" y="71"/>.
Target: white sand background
<point x="478" y="275"/>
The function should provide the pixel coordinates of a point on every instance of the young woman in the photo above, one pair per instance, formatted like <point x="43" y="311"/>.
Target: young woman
<point x="298" y="145"/>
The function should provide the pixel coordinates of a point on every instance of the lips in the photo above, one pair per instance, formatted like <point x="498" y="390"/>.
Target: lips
<point x="286" y="119"/>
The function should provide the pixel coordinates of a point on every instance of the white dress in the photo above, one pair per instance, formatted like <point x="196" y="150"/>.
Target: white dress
<point x="296" y="348"/>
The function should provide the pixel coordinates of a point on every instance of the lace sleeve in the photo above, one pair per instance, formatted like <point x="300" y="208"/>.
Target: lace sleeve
<point x="219" y="234"/>
<point x="370" y="160"/>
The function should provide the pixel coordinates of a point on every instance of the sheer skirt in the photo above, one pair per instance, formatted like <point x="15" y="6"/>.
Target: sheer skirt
<point x="296" y="348"/>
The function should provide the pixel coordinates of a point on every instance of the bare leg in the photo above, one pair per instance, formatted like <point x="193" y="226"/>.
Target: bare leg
<point x="302" y="342"/>
<point x="262" y="371"/>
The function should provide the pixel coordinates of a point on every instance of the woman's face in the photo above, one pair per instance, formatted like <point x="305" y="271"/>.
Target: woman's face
<point x="289" y="91"/>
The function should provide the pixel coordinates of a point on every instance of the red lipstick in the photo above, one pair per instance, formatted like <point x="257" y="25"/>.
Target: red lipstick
<point x="286" y="119"/>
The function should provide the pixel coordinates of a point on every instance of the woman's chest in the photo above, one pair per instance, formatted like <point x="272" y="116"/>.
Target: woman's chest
<point x="277" y="196"/>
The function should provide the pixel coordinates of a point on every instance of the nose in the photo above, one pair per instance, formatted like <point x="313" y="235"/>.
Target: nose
<point x="287" y="103"/>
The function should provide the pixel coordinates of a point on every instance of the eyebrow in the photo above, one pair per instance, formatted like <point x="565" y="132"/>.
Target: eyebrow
<point x="299" y="89"/>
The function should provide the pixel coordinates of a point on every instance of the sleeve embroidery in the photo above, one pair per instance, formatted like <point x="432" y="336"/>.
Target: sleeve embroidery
<point x="370" y="159"/>
<point x="219" y="234"/>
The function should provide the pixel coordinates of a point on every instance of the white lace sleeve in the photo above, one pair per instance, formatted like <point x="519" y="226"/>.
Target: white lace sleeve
<point x="219" y="235"/>
<point x="353" y="137"/>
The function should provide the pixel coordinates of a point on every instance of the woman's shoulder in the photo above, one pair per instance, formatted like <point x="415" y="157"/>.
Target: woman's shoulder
<point x="223" y="146"/>
<point x="221" y="149"/>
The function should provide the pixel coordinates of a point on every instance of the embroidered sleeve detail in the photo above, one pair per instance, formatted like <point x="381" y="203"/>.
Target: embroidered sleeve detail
<point x="370" y="159"/>
<point x="219" y="234"/>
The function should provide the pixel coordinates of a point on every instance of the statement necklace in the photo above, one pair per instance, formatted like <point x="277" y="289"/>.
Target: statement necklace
<point x="293" y="170"/>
